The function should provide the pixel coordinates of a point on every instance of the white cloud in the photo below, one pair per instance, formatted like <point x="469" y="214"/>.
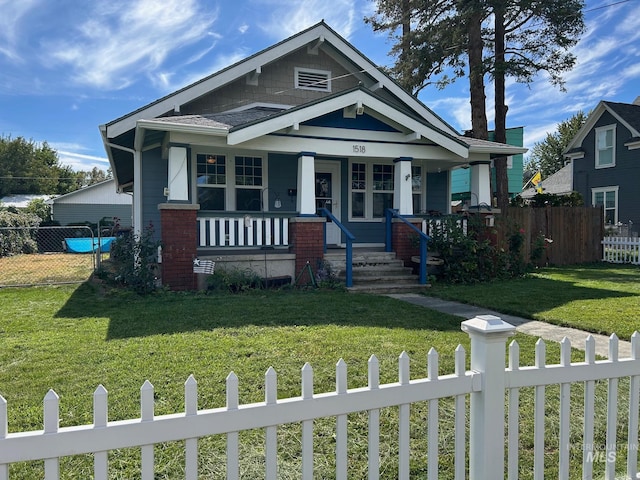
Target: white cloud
<point x="11" y="23"/>
<point x="79" y="161"/>
<point x="121" y="41"/>
<point x="243" y="28"/>
<point x="288" y="18"/>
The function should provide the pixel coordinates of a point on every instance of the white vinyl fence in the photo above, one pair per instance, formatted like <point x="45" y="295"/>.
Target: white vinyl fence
<point x="246" y="231"/>
<point x="483" y="453"/>
<point x="621" y="250"/>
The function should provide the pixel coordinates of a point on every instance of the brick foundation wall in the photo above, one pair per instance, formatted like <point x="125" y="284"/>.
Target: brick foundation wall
<point x="306" y="238"/>
<point x="405" y="241"/>
<point x="179" y="245"/>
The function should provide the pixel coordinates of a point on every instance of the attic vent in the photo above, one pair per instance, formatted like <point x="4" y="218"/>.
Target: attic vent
<point x="308" y="79"/>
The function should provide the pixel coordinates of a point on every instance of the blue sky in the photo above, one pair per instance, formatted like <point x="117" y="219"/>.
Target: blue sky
<point x="68" y="66"/>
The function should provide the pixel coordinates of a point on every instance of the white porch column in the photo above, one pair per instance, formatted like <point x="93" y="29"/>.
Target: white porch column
<point x="486" y="424"/>
<point x="402" y="191"/>
<point x="306" y="201"/>
<point x="137" y="193"/>
<point x="480" y="183"/>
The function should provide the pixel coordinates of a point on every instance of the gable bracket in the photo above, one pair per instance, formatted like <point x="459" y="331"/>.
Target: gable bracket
<point x="412" y="136"/>
<point x="312" y="49"/>
<point x="252" y="77"/>
<point x="376" y="86"/>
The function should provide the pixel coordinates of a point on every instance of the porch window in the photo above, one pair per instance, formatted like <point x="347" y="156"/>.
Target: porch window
<point x="248" y="183"/>
<point x="416" y="188"/>
<point x="607" y="197"/>
<point x="605" y="146"/>
<point x="212" y="181"/>
<point x="371" y="190"/>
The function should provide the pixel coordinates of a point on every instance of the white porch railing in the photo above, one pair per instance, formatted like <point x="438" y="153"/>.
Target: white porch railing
<point x="621" y="250"/>
<point x="245" y="231"/>
<point x="431" y="226"/>
<point x="486" y="384"/>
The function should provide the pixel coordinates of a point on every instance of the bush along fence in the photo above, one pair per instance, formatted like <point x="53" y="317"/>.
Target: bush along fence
<point x="476" y="435"/>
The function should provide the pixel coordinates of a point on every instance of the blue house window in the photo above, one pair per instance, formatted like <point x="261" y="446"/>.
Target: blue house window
<point x="606" y="146"/>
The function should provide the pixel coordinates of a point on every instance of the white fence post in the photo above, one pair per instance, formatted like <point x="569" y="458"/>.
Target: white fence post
<point x="486" y="432"/>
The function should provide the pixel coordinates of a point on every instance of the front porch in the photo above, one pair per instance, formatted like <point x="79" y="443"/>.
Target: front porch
<point x="277" y="246"/>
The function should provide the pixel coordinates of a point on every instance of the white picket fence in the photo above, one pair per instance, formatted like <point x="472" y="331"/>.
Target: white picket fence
<point x="485" y="384"/>
<point x="246" y="231"/>
<point x="621" y="250"/>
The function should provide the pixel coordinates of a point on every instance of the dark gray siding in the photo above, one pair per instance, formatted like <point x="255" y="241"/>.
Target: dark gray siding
<point x="437" y="192"/>
<point x="154" y="179"/>
<point x="71" y="213"/>
<point x="283" y="176"/>
<point x="625" y="175"/>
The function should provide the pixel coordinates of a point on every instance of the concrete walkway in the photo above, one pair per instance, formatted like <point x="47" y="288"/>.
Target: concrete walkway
<point x="544" y="330"/>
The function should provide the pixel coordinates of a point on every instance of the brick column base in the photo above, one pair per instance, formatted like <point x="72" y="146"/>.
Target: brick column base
<point x="179" y="245"/>
<point x="306" y="240"/>
<point x="405" y="240"/>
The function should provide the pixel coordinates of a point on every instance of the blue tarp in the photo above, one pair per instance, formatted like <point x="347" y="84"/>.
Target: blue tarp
<point x="85" y="245"/>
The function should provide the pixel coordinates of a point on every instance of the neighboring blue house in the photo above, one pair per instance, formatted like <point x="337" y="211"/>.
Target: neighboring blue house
<point x="606" y="161"/>
<point x="461" y="177"/>
<point x="247" y="156"/>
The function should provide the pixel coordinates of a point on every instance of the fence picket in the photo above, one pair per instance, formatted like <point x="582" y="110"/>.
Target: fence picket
<point x="191" y="444"/>
<point x="4" y="430"/>
<point x="589" y="411"/>
<point x="634" y="408"/>
<point x="233" y="441"/>
<point x="432" y="423"/>
<point x="51" y="421"/>
<point x="341" y="423"/>
<point x="100" y="419"/>
<point x="565" y="405"/>
<point x="307" y="425"/>
<point x="538" y="428"/>
<point x="403" y="421"/>
<point x="612" y="413"/>
<point x="147" y="415"/>
<point x="460" y="417"/>
<point x="271" y="435"/>
<point x="374" y="421"/>
<point x="513" y="435"/>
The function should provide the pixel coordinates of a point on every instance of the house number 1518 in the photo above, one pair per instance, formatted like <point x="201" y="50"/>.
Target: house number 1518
<point x="359" y="149"/>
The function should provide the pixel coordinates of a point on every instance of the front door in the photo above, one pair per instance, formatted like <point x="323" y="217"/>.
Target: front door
<point x="328" y="195"/>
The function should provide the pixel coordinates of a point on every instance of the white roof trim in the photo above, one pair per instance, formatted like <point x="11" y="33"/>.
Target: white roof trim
<point x="239" y="70"/>
<point x="298" y="116"/>
<point x="181" y="127"/>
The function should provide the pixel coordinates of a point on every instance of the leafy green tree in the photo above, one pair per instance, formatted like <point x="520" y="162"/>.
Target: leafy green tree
<point x="452" y="38"/>
<point x="28" y="167"/>
<point x="546" y="155"/>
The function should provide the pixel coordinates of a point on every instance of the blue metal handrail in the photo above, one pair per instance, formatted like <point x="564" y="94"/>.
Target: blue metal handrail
<point x="390" y="214"/>
<point x="350" y="238"/>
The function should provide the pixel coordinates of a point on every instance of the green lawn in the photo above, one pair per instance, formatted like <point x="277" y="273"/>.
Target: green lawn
<point x="598" y="298"/>
<point x="72" y="338"/>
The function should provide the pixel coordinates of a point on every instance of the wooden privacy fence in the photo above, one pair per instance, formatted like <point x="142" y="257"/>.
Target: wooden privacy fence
<point x="482" y="452"/>
<point x="576" y="232"/>
<point x="621" y="250"/>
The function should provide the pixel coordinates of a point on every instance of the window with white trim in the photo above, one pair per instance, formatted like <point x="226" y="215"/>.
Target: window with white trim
<point x="605" y="146"/>
<point x="225" y="184"/>
<point x="371" y="190"/>
<point x="607" y="197"/>
<point x="311" y="79"/>
<point x="212" y="181"/>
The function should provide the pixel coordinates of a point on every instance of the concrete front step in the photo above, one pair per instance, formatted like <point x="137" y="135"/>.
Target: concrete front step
<point x="389" y="288"/>
<point x="376" y="272"/>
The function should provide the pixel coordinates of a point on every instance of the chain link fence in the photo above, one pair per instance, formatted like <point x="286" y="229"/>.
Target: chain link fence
<point x="49" y="255"/>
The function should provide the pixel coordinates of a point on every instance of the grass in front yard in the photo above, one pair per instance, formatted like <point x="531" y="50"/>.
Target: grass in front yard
<point x="45" y="268"/>
<point x="600" y="298"/>
<point x="73" y="338"/>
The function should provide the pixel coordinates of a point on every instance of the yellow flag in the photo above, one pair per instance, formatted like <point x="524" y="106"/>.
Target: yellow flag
<point x="537" y="178"/>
